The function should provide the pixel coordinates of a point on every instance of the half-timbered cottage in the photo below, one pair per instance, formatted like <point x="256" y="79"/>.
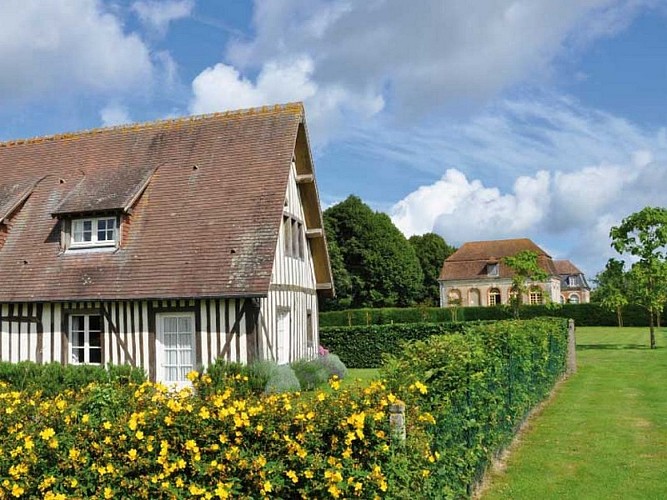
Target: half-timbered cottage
<point x="163" y="245"/>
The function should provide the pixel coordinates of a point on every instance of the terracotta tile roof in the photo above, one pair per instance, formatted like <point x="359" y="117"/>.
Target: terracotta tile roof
<point x="471" y="259"/>
<point x="566" y="267"/>
<point x="206" y="225"/>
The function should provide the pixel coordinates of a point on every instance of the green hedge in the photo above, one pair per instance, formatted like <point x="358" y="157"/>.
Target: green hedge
<point x="54" y="378"/>
<point x="478" y="387"/>
<point x="583" y="315"/>
<point x="364" y="346"/>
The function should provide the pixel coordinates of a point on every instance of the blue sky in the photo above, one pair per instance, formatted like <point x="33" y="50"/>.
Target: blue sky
<point x="476" y="120"/>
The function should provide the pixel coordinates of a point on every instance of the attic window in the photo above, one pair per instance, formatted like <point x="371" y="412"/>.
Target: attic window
<point x="492" y="269"/>
<point x="571" y="281"/>
<point x="94" y="232"/>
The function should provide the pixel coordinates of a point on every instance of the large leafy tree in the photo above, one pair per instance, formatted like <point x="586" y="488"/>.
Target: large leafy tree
<point x="431" y="250"/>
<point x="526" y="270"/>
<point x="643" y="235"/>
<point x="612" y="288"/>
<point x="382" y="266"/>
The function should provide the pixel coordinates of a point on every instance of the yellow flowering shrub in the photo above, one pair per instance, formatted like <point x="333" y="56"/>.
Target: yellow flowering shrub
<point x="227" y="443"/>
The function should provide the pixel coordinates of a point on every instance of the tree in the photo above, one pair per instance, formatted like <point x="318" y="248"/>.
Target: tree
<point x="431" y="250"/>
<point x="526" y="269"/>
<point x="643" y="234"/>
<point x="382" y="266"/>
<point x="612" y="288"/>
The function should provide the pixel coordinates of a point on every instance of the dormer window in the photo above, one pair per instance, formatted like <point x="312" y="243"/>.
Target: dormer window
<point x="94" y="232"/>
<point x="571" y="281"/>
<point x="492" y="269"/>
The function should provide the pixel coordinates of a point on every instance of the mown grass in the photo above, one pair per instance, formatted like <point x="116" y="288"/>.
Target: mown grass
<point x="604" y="435"/>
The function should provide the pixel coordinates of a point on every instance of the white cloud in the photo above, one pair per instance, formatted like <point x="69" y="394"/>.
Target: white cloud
<point x="65" y="45"/>
<point x="115" y="114"/>
<point x="223" y="87"/>
<point x="157" y="15"/>
<point x="428" y="53"/>
<point x="467" y="210"/>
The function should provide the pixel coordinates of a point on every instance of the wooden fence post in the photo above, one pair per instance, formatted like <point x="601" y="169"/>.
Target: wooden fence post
<point x="397" y="421"/>
<point x="571" y="348"/>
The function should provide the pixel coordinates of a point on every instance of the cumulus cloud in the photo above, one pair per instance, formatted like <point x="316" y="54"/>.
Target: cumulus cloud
<point x="65" y="44"/>
<point x="426" y="53"/>
<point x="157" y="15"/>
<point x="223" y="87"/>
<point x="115" y="114"/>
<point x="471" y="211"/>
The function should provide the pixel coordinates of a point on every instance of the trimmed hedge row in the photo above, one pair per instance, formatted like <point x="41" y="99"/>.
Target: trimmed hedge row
<point x="478" y="387"/>
<point x="583" y="315"/>
<point x="364" y="346"/>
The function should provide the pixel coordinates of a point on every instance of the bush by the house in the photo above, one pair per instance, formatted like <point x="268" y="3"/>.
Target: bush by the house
<point x="363" y="346"/>
<point x="333" y="365"/>
<point x="53" y="378"/>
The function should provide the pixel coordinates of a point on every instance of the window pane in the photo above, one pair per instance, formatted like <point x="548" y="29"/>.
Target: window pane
<point x="77" y="355"/>
<point x="96" y="355"/>
<point x="95" y="323"/>
<point x="77" y="323"/>
<point x="170" y="325"/>
<point x="171" y="357"/>
<point x="95" y="339"/>
<point x="186" y="358"/>
<point x="184" y="372"/>
<point x="184" y="324"/>
<point x="170" y="340"/>
<point x="172" y="374"/>
<point x="185" y="340"/>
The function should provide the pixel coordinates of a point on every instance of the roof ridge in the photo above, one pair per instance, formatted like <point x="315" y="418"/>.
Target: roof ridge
<point x="294" y="107"/>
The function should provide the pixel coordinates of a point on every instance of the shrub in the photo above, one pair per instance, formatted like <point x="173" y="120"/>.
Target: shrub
<point x="363" y="346"/>
<point x="478" y="387"/>
<point x="311" y="373"/>
<point x="54" y="378"/>
<point x="282" y="379"/>
<point x="333" y="365"/>
<point x="583" y="315"/>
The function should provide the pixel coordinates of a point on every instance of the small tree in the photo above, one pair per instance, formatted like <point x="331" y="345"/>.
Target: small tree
<point x="612" y="288"/>
<point x="643" y="234"/>
<point x="526" y="269"/>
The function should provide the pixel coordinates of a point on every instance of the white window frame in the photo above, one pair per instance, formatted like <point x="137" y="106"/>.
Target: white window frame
<point x="77" y="227"/>
<point x="293" y="237"/>
<point x="535" y="296"/>
<point x="493" y="269"/>
<point x="160" y="358"/>
<point x="87" y="347"/>
<point x="496" y="295"/>
<point x="571" y="281"/>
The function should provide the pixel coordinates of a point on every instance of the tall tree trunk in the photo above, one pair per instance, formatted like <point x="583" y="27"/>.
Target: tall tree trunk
<point x="652" y="328"/>
<point x="619" y="316"/>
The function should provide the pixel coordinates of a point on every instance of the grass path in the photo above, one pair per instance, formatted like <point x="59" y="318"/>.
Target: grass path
<point x="604" y="435"/>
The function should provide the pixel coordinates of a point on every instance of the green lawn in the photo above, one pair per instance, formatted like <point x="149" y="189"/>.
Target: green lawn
<point x="363" y="376"/>
<point x="604" y="435"/>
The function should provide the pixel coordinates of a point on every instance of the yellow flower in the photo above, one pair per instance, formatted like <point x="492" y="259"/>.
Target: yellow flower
<point x="221" y="491"/>
<point x="107" y="425"/>
<point x="47" y="433"/>
<point x="53" y="443"/>
<point x="192" y="376"/>
<point x="334" y="491"/>
<point x="74" y="454"/>
<point x="139" y="435"/>
<point x="321" y="396"/>
<point x="204" y="414"/>
<point x="108" y="493"/>
<point x="17" y="490"/>
<point x="73" y="483"/>
<point x="334" y="383"/>
<point x="293" y="476"/>
<point x="267" y="487"/>
<point x="132" y="454"/>
<point x="85" y="419"/>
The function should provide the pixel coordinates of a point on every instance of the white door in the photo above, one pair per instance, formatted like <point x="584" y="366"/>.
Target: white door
<point x="283" y="336"/>
<point x="175" y="348"/>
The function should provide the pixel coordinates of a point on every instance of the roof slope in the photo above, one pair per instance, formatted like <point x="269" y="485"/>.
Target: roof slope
<point x="566" y="267"/>
<point x="470" y="260"/>
<point x="206" y="224"/>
